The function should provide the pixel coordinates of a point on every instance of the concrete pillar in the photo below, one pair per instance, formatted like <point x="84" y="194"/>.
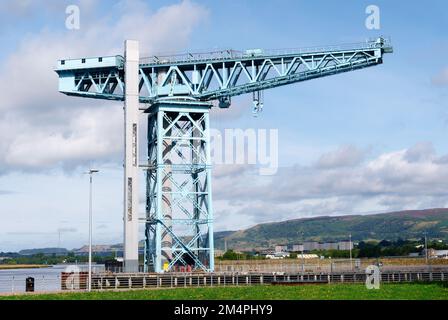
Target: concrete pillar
<point x="131" y="112"/>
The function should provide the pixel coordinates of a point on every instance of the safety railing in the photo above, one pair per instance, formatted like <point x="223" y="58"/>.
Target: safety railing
<point x="41" y="283"/>
<point x="73" y="281"/>
<point x="229" y="54"/>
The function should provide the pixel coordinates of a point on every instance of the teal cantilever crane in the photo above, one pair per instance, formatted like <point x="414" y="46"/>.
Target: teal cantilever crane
<point x="176" y="92"/>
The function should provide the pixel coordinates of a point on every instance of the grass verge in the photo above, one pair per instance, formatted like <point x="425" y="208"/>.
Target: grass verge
<point x="415" y="291"/>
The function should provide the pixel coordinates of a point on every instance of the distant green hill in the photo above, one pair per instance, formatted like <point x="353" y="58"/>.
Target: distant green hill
<point x="45" y="251"/>
<point x="391" y="226"/>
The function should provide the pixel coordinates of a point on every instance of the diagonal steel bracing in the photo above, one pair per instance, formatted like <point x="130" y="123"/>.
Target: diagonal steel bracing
<point x="217" y="75"/>
<point x="177" y="92"/>
<point x="179" y="214"/>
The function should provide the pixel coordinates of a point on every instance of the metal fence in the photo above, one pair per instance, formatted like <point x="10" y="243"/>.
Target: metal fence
<point x="45" y="279"/>
<point x="17" y="284"/>
<point x="73" y="281"/>
<point x="147" y="281"/>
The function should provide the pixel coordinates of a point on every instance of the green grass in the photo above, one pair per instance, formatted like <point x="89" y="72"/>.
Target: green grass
<point x="308" y="292"/>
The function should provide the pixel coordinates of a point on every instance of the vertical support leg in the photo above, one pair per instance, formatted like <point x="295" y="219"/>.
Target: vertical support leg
<point x="179" y="206"/>
<point x="167" y="200"/>
<point x="131" y="107"/>
<point x="158" y="209"/>
<point x="211" y="244"/>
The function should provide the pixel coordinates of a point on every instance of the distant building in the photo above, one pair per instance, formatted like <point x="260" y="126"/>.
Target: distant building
<point x="311" y="245"/>
<point x="441" y="254"/>
<point x="277" y="255"/>
<point x="297" y="248"/>
<point x="345" y="245"/>
<point x="307" y="256"/>
<point x="266" y="252"/>
<point x="329" y="246"/>
<point x="308" y="246"/>
<point x="281" y="248"/>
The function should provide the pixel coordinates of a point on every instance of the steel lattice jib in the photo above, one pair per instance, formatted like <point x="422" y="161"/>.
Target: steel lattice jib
<point x="216" y="75"/>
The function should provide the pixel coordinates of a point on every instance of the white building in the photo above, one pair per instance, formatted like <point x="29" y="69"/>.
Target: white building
<point x="281" y="248"/>
<point x="297" y="248"/>
<point x="278" y="255"/>
<point x="345" y="245"/>
<point x="441" y="254"/>
<point x="307" y="256"/>
<point x="311" y="245"/>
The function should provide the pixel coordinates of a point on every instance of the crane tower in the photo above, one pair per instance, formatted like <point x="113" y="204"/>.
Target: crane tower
<point x="176" y="93"/>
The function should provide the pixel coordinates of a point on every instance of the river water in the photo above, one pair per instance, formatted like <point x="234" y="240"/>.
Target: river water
<point x="46" y="279"/>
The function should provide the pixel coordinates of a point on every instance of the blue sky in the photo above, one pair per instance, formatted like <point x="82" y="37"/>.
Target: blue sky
<point x="369" y="141"/>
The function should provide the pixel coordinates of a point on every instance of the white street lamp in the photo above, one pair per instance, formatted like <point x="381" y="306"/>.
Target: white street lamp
<point x="350" y="247"/>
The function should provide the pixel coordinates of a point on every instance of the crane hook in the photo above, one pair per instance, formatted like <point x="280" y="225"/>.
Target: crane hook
<point x="257" y="100"/>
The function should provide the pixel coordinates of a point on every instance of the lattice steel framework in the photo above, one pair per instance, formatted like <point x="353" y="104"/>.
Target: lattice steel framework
<point x="179" y="215"/>
<point x="217" y="75"/>
<point x="176" y="92"/>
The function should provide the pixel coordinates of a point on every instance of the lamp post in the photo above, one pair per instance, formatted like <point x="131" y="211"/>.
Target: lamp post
<point x="91" y="172"/>
<point x="303" y="247"/>
<point x="350" y="247"/>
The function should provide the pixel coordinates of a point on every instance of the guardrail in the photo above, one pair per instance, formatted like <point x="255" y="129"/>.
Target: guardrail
<point x="146" y="281"/>
<point x="226" y="54"/>
<point x="42" y="283"/>
<point x="123" y="281"/>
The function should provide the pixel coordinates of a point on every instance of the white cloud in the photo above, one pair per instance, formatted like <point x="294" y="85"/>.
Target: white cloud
<point x="441" y="78"/>
<point x="412" y="178"/>
<point x="344" y="156"/>
<point x="40" y="127"/>
<point x="422" y="151"/>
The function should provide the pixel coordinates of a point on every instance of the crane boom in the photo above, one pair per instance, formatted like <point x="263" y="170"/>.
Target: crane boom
<point x="215" y="75"/>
